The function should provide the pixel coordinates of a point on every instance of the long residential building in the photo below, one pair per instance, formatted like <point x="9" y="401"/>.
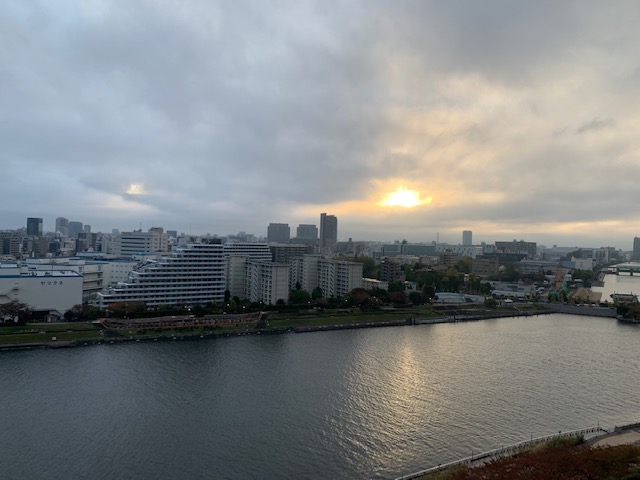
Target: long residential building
<point x="335" y="277"/>
<point x="255" y="251"/>
<point x="193" y="274"/>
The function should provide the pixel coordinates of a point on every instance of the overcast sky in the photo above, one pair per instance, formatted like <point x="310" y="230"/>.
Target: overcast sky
<point x="512" y="119"/>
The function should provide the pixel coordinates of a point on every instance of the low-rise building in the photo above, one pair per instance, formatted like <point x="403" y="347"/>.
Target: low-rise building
<point x="485" y="267"/>
<point x="462" y="250"/>
<point x="371" y="283"/>
<point x="50" y="292"/>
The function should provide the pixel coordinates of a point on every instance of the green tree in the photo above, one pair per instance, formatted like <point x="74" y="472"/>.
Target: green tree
<point x="396" y="287"/>
<point x="398" y="297"/>
<point x="369" y="267"/>
<point x="464" y="265"/>
<point x="409" y="273"/>
<point x="452" y="280"/>
<point x="511" y="273"/>
<point x="380" y="294"/>
<point x="298" y="297"/>
<point x="359" y="297"/>
<point x="416" y="297"/>
<point x="428" y="292"/>
<point x="127" y="309"/>
<point x="490" y="303"/>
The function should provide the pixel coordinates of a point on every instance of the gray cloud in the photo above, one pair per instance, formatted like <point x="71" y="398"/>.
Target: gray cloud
<point x="595" y="124"/>
<point x="231" y="115"/>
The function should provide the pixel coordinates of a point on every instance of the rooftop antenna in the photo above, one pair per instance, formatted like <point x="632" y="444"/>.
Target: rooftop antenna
<point x="437" y="238"/>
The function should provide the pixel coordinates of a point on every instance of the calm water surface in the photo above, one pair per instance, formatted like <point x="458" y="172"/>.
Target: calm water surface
<point x="374" y="403"/>
<point x="623" y="283"/>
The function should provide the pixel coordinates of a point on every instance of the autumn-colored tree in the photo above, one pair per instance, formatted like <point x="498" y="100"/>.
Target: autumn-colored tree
<point x="127" y="309"/>
<point x="562" y="463"/>
<point x="14" y="311"/>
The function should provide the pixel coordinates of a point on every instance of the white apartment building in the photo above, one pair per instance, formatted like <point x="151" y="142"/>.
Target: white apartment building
<point x="127" y="244"/>
<point x="304" y="271"/>
<point x="53" y="290"/>
<point x="193" y="274"/>
<point x="254" y="251"/>
<point x="267" y="282"/>
<point x="237" y="276"/>
<point x="257" y="280"/>
<point x="335" y="277"/>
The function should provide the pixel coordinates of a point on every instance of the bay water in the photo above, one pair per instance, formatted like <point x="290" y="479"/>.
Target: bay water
<point x="371" y="403"/>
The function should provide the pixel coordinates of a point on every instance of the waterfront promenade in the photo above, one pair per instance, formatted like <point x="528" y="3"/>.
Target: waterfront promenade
<point x="192" y="328"/>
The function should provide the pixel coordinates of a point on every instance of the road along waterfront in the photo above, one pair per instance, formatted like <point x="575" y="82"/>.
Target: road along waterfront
<point x="360" y="403"/>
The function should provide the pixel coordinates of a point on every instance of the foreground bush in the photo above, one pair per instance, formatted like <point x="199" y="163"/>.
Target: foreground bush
<point x="564" y="462"/>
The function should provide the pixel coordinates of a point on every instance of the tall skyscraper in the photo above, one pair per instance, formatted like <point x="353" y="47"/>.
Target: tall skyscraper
<point x="34" y="226"/>
<point x="278" y="233"/>
<point x="467" y="237"/>
<point x="74" y="229"/>
<point x="62" y="225"/>
<point x="307" y="232"/>
<point x="636" y="248"/>
<point x="328" y="230"/>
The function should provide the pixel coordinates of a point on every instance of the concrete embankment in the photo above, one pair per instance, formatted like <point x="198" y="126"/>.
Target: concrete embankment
<point x="351" y="326"/>
<point x="581" y="310"/>
<point x="454" y="317"/>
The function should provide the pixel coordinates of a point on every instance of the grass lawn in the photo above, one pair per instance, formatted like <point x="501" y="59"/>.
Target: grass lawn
<point x="7" y="339"/>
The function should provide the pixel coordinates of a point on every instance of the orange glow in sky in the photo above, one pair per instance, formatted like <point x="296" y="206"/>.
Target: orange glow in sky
<point x="403" y="197"/>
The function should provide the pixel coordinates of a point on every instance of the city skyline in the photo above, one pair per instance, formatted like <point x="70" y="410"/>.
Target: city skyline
<point x="405" y="120"/>
<point x="464" y="237"/>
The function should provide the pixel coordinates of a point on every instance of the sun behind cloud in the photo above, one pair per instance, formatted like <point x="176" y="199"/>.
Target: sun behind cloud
<point x="135" y="189"/>
<point x="403" y="197"/>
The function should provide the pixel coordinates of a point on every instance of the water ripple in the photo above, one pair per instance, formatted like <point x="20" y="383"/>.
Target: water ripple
<point x="351" y="404"/>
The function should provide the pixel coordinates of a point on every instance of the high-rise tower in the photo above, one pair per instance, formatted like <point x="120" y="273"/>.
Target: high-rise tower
<point x="636" y="248"/>
<point x="278" y="233"/>
<point x="34" y="226"/>
<point x="328" y="230"/>
<point x="62" y="225"/>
